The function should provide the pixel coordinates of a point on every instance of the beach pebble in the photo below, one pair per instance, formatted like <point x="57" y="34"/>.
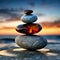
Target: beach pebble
<point x="29" y="28"/>
<point x="29" y="18"/>
<point x="31" y="42"/>
<point x="28" y="11"/>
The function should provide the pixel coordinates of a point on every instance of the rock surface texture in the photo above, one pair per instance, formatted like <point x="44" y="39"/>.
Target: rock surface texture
<point x="29" y="18"/>
<point x="32" y="42"/>
<point x="29" y="28"/>
<point x="29" y="40"/>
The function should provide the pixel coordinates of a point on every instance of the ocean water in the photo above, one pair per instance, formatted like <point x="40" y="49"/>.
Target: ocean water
<point x="12" y="37"/>
<point x="52" y="37"/>
<point x="8" y="41"/>
<point x="56" y="37"/>
<point x="7" y="36"/>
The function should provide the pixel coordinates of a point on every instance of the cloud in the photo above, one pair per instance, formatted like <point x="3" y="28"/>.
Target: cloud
<point x="40" y="14"/>
<point x="10" y="14"/>
<point x="21" y="9"/>
<point x="8" y="11"/>
<point x="57" y="21"/>
<point x="32" y="4"/>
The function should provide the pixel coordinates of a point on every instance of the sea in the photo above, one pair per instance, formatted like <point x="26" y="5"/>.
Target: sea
<point x="8" y="41"/>
<point x="48" y="37"/>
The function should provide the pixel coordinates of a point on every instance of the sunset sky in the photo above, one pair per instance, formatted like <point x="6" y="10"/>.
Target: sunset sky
<point x="12" y="10"/>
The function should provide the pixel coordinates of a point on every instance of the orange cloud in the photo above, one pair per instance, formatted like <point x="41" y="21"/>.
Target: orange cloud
<point x="8" y="28"/>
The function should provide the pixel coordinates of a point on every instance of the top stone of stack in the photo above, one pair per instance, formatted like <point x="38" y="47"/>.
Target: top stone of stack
<point x="28" y="12"/>
<point x="28" y="17"/>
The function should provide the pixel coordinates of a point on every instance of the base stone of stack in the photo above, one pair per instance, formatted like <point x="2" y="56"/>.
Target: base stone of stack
<point x="31" y="42"/>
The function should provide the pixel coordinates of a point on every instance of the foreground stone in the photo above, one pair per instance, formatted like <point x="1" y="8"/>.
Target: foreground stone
<point x="31" y="42"/>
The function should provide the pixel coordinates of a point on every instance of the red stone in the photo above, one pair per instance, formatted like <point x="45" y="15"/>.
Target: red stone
<point x="28" y="28"/>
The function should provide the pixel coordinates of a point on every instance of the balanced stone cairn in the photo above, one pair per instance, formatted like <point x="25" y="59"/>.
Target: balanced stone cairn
<point x="29" y="40"/>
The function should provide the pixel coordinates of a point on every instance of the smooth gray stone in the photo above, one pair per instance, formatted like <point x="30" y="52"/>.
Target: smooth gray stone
<point x="29" y="18"/>
<point x="32" y="42"/>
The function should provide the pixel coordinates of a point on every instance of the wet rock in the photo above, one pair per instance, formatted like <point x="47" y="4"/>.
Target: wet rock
<point x="29" y="28"/>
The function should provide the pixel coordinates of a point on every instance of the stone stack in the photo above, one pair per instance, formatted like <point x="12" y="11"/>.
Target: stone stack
<point x="29" y="40"/>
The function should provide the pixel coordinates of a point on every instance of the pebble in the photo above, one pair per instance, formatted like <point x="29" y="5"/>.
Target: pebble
<point x="31" y="42"/>
<point x="29" y="18"/>
<point x="29" y="28"/>
<point x="28" y="12"/>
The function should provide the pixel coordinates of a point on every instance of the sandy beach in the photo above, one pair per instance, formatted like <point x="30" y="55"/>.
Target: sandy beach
<point x="10" y="51"/>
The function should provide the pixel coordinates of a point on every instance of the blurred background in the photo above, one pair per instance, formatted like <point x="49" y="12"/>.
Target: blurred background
<point x="48" y="12"/>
